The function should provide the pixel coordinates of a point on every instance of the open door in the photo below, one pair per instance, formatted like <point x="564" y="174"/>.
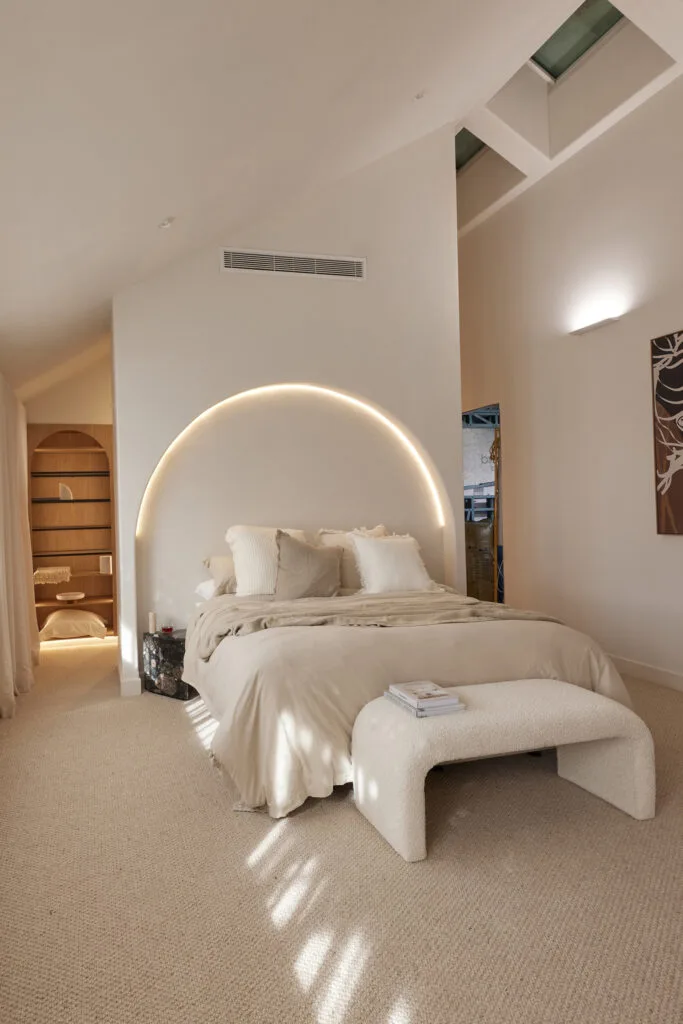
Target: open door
<point x="483" y="493"/>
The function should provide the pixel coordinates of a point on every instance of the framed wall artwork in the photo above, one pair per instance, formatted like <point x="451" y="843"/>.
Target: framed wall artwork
<point x="667" y="396"/>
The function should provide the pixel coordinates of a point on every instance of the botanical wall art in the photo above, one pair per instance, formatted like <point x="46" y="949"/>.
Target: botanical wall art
<point x="667" y="383"/>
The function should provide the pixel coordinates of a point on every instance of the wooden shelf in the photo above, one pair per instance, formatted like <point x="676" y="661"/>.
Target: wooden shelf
<point x="94" y="575"/>
<point x="63" y="451"/>
<point x="70" y="554"/>
<point x="51" y="529"/>
<point x="70" y="604"/>
<point x="70" y="501"/>
<point x="76" y="472"/>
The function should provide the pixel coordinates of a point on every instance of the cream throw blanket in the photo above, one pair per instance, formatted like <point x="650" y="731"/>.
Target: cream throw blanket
<point x="286" y="695"/>
<point x="229" y="616"/>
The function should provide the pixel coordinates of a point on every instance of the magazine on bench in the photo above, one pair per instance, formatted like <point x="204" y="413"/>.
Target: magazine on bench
<point x="424" y="699"/>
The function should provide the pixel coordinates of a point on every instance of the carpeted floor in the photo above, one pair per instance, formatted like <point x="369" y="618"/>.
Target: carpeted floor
<point x="130" y="891"/>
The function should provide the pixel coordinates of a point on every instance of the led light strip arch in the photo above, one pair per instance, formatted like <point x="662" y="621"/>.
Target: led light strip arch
<point x="317" y="389"/>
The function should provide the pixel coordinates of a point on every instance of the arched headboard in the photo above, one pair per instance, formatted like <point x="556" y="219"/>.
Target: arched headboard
<point x="292" y="455"/>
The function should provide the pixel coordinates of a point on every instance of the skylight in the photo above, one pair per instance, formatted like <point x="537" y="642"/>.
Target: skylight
<point x="582" y="30"/>
<point x="467" y="146"/>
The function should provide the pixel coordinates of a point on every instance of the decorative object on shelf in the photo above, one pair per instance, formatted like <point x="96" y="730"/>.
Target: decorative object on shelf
<point x="71" y="596"/>
<point x="65" y="493"/>
<point x="162" y="664"/>
<point x="667" y="400"/>
<point x="152" y="622"/>
<point x="52" y="574"/>
<point x="167" y="629"/>
<point x="107" y="566"/>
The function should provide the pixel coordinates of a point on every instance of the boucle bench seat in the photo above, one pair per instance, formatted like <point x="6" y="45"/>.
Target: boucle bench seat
<point x="602" y="746"/>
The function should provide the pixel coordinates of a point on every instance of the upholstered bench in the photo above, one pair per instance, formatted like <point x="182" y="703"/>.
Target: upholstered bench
<point x="602" y="746"/>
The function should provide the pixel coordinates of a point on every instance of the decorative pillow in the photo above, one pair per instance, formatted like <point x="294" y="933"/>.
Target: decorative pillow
<point x="389" y="564"/>
<point x="70" y="623"/>
<point x="222" y="569"/>
<point x="304" y="570"/>
<point x="254" y="551"/>
<point x="350" y="580"/>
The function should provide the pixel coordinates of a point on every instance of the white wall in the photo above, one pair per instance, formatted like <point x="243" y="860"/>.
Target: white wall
<point x="603" y="230"/>
<point x="191" y="336"/>
<point x="85" y="397"/>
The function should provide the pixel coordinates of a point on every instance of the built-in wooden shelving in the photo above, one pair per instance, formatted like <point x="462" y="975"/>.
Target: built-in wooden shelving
<point x="76" y="531"/>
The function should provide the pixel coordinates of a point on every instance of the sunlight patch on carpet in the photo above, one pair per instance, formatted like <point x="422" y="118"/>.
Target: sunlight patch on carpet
<point x="332" y="1007"/>
<point x="311" y="958"/>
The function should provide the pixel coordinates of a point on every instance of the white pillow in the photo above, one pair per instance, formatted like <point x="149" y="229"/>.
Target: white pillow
<point x="389" y="564"/>
<point x="350" y="579"/>
<point x="69" y="623"/>
<point x="254" y="552"/>
<point x="206" y="590"/>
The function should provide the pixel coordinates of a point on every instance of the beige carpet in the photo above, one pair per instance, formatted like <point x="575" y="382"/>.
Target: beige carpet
<point x="131" y="892"/>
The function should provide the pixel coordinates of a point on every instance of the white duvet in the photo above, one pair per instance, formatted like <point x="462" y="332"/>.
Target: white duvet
<point x="286" y="698"/>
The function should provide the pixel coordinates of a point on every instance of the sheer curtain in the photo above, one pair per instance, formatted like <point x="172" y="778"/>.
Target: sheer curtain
<point x="18" y="627"/>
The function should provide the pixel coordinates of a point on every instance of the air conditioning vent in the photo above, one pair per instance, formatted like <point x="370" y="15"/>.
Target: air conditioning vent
<point x="292" y="263"/>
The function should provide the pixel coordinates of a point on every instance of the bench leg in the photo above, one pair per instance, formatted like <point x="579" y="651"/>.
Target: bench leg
<point x="620" y="771"/>
<point x="394" y="802"/>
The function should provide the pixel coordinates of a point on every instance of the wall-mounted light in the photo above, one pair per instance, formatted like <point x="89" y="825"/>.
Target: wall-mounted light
<point x="594" y="326"/>
<point x="602" y="301"/>
<point x="371" y="411"/>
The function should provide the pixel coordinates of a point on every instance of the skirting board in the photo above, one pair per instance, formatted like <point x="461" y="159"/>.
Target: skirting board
<point x="131" y="686"/>
<point x="650" y="673"/>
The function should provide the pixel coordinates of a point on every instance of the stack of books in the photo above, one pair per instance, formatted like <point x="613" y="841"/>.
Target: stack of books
<point x="423" y="699"/>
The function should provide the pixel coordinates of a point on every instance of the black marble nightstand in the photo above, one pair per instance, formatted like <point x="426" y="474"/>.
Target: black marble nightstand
<point x="162" y="664"/>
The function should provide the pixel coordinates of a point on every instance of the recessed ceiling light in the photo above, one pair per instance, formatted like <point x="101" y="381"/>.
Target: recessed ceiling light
<point x="166" y="223"/>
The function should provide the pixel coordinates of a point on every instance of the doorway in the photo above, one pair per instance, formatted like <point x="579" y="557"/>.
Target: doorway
<point x="483" y="503"/>
<point x="72" y="520"/>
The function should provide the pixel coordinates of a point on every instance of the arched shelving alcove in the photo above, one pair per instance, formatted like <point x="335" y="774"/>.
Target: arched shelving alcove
<point x="72" y="515"/>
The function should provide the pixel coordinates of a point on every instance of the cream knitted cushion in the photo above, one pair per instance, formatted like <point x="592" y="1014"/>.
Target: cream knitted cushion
<point x="254" y="552"/>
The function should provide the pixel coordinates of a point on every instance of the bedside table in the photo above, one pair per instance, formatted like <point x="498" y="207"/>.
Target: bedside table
<point x="162" y="664"/>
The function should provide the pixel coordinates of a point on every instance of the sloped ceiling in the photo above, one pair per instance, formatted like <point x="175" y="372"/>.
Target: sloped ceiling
<point x="117" y="115"/>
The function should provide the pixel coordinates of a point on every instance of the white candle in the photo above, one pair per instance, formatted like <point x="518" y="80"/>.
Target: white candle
<point x="152" y="622"/>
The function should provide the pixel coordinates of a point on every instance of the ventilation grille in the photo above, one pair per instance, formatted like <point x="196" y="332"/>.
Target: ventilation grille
<point x="284" y="263"/>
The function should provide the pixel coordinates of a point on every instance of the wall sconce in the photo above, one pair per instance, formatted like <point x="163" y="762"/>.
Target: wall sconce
<point x="594" y="326"/>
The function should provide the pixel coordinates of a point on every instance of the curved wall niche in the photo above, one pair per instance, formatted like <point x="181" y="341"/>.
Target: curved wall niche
<point x="72" y="514"/>
<point x="285" y="455"/>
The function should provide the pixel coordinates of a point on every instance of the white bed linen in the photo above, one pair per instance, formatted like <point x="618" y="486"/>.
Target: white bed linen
<point x="286" y="698"/>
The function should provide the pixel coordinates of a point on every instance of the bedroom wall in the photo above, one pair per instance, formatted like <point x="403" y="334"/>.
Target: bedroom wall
<point x="601" y="235"/>
<point x="84" y="397"/>
<point x="192" y="336"/>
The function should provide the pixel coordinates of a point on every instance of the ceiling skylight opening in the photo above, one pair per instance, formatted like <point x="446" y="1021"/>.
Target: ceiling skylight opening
<point x="467" y="146"/>
<point x="576" y="36"/>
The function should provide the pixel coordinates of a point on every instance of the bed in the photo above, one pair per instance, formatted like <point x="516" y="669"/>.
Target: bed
<point x="286" y="679"/>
